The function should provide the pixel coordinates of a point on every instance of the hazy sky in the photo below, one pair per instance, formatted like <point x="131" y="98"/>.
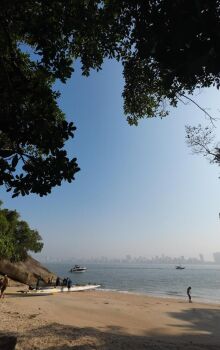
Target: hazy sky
<point x="140" y="190"/>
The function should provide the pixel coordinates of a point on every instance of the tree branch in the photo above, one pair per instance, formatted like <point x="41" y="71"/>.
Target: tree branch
<point x="202" y="109"/>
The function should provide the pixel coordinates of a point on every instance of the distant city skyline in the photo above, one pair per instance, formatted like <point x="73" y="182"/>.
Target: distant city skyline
<point x="134" y="259"/>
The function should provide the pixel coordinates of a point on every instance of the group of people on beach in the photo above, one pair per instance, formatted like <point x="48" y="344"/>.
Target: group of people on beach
<point x="50" y="281"/>
<point x="66" y="282"/>
<point x="3" y="285"/>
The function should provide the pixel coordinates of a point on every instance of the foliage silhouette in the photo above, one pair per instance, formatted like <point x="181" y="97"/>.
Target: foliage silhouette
<point x="167" y="49"/>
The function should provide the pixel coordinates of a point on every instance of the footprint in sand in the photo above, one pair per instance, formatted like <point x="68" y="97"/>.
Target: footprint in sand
<point x="33" y="316"/>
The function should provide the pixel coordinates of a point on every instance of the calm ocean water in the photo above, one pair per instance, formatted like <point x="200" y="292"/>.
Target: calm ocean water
<point x="159" y="280"/>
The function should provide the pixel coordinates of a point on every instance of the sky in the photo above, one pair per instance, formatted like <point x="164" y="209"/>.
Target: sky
<point x="140" y="190"/>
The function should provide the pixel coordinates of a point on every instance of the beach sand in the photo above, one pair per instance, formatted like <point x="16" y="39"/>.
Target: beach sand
<point x="108" y="320"/>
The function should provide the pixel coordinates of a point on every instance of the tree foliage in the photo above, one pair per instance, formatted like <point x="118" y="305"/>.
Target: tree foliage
<point x="167" y="49"/>
<point x="16" y="237"/>
<point x="202" y="141"/>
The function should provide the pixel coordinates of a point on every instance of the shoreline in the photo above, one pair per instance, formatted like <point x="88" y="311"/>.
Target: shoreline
<point x="109" y="320"/>
<point x="180" y="298"/>
<point x="195" y="299"/>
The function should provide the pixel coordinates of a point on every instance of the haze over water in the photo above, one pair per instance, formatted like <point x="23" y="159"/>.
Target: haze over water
<point x="154" y="279"/>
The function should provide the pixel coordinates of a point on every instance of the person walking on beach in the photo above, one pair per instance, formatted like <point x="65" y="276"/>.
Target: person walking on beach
<point x="58" y="281"/>
<point x="189" y="294"/>
<point x="4" y="285"/>
<point x="38" y="282"/>
<point x="69" y="284"/>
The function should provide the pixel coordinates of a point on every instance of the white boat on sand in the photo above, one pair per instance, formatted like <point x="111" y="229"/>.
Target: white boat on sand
<point x="34" y="293"/>
<point x="60" y="289"/>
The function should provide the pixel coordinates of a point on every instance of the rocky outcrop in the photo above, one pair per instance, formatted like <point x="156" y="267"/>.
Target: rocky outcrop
<point x="25" y="271"/>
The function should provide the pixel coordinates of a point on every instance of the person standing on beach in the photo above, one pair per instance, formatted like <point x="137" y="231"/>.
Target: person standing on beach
<point x="38" y="282"/>
<point x="58" y="281"/>
<point x="69" y="284"/>
<point x="189" y="294"/>
<point x="4" y="285"/>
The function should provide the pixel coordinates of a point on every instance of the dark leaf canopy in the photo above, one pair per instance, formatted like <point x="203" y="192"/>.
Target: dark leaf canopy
<point x="167" y="48"/>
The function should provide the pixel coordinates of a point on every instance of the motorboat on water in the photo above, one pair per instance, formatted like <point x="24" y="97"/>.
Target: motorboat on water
<point x="78" y="268"/>
<point x="180" y="267"/>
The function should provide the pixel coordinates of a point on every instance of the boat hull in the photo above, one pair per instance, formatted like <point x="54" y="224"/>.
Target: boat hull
<point x="51" y="291"/>
<point x="78" y="268"/>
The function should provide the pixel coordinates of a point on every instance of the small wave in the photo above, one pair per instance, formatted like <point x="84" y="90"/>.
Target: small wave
<point x="175" y="293"/>
<point x="107" y="290"/>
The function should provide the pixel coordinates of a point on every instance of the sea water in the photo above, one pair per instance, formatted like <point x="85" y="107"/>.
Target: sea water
<point x="152" y="279"/>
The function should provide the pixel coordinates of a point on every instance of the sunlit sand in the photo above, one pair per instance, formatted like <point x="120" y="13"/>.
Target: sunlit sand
<point x="109" y="320"/>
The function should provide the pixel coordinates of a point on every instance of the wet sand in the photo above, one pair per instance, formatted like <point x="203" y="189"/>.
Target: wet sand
<point x="109" y="320"/>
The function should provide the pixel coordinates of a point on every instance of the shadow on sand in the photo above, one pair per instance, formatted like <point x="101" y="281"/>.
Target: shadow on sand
<point x="200" y="321"/>
<point x="204" y="321"/>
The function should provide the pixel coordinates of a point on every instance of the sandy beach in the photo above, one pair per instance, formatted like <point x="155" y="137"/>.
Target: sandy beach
<point x="108" y="320"/>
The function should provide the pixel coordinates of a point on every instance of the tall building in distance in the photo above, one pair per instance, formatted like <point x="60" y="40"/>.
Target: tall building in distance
<point x="216" y="257"/>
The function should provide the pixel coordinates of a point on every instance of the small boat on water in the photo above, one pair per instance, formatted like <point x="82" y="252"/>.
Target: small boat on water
<point x="180" y="267"/>
<point x="78" y="268"/>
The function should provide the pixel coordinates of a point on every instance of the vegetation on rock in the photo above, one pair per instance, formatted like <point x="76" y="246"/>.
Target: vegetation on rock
<point x="16" y="237"/>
